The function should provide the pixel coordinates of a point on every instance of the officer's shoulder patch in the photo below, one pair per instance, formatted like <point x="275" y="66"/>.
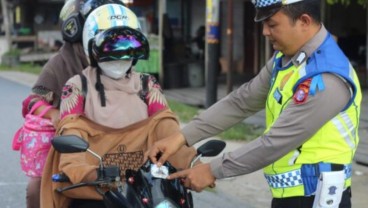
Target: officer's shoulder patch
<point x="302" y="92"/>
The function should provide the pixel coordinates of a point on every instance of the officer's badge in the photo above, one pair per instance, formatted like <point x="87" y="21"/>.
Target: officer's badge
<point x="300" y="96"/>
<point x="302" y="92"/>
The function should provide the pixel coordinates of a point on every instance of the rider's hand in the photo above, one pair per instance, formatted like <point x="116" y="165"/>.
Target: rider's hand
<point x="53" y="114"/>
<point x="54" y="117"/>
<point x="165" y="148"/>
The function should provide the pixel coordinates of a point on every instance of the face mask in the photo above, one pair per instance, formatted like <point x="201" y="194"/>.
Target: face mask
<point x="115" y="69"/>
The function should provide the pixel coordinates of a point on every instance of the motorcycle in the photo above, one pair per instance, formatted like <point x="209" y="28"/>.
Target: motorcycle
<point x="146" y="187"/>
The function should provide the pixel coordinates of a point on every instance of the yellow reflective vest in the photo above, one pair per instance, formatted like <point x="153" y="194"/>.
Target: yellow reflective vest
<point x="334" y="144"/>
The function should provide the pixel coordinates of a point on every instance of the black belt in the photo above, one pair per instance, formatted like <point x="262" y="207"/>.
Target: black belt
<point x="87" y="203"/>
<point x="307" y="201"/>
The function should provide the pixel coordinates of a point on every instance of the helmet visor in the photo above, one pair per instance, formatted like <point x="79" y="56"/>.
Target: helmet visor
<point x="120" y="43"/>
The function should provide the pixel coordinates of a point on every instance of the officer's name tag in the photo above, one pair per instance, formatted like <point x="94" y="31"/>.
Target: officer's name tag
<point x="277" y="95"/>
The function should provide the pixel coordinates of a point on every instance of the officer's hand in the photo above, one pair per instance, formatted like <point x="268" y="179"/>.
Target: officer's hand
<point x="197" y="178"/>
<point x="165" y="148"/>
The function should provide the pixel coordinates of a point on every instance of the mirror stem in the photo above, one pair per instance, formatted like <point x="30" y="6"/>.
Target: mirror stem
<point x="195" y="160"/>
<point x="100" y="159"/>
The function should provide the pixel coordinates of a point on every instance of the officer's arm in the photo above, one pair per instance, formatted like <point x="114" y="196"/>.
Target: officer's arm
<point x="240" y="104"/>
<point x="295" y="125"/>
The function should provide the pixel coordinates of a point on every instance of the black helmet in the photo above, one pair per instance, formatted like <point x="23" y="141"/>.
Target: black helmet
<point x="143" y="190"/>
<point x="74" y="13"/>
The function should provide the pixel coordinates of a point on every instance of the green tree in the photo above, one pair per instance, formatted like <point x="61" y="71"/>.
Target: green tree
<point x="347" y="2"/>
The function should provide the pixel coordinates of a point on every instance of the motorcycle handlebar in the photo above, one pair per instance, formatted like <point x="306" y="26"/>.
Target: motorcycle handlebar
<point x="61" y="177"/>
<point x="94" y="183"/>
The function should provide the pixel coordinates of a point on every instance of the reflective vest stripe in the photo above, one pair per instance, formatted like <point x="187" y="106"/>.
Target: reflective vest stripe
<point x="343" y="130"/>
<point x="302" y="70"/>
<point x="350" y="126"/>
<point x="294" y="178"/>
<point x="284" y="180"/>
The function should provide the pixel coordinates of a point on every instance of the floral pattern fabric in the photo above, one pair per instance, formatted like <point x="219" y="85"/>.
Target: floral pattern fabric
<point x="73" y="98"/>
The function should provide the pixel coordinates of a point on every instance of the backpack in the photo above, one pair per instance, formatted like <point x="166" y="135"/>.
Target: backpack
<point x="33" y="140"/>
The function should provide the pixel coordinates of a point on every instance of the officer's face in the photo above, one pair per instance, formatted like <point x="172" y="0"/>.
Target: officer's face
<point x="284" y="34"/>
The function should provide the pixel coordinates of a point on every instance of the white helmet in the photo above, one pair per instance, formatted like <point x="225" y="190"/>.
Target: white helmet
<point x="114" y="19"/>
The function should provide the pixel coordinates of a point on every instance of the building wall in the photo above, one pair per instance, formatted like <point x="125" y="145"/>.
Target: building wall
<point x="198" y="12"/>
<point x="238" y="29"/>
<point x="351" y="31"/>
<point x="4" y="46"/>
<point x="341" y="22"/>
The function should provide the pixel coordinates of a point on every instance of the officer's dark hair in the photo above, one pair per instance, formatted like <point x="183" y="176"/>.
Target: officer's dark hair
<point x="310" y="7"/>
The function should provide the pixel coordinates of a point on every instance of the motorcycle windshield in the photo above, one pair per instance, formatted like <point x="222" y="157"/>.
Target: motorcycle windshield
<point x="166" y="203"/>
<point x="156" y="192"/>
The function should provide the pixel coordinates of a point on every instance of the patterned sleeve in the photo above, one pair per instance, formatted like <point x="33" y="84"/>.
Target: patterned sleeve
<point x="155" y="99"/>
<point x="72" y="99"/>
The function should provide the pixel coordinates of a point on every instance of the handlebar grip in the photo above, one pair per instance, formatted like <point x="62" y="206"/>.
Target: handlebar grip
<point x="60" y="177"/>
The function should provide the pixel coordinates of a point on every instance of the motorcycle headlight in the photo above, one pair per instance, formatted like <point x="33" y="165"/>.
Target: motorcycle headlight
<point x="166" y="204"/>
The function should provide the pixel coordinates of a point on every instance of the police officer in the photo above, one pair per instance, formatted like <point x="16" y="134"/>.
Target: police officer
<point x="311" y="96"/>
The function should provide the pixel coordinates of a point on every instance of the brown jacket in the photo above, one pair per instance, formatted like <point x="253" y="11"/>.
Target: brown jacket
<point x="69" y="61"/>
<point x="124" y="147"/>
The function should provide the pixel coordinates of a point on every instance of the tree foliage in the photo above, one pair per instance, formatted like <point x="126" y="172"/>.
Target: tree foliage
<point x="347" y="2"/>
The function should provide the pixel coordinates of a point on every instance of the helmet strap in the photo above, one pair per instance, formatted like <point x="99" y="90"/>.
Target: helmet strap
<point x="100" y="87"/>
<point x="92" y="61"/>
<point x="129" y="72"/>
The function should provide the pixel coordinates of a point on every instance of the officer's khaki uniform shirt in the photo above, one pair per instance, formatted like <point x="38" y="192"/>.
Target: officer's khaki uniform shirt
<point x="295" y="125"/>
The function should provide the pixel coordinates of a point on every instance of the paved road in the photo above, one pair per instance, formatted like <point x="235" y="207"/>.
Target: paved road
<point x="12" y="180"/>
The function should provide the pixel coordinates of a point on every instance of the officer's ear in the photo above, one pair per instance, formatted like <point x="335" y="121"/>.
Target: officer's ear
<point x="305" y="19"/>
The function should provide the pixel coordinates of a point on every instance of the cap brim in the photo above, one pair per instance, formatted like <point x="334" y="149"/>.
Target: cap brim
<point x="266" y="12"/>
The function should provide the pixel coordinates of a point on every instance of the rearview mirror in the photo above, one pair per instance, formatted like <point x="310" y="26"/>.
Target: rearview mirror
<point x="211" y="148"/>
<point x="69" y="144"/>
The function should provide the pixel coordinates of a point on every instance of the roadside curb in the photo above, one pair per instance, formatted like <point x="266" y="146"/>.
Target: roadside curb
<point x="23" y="78"/>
